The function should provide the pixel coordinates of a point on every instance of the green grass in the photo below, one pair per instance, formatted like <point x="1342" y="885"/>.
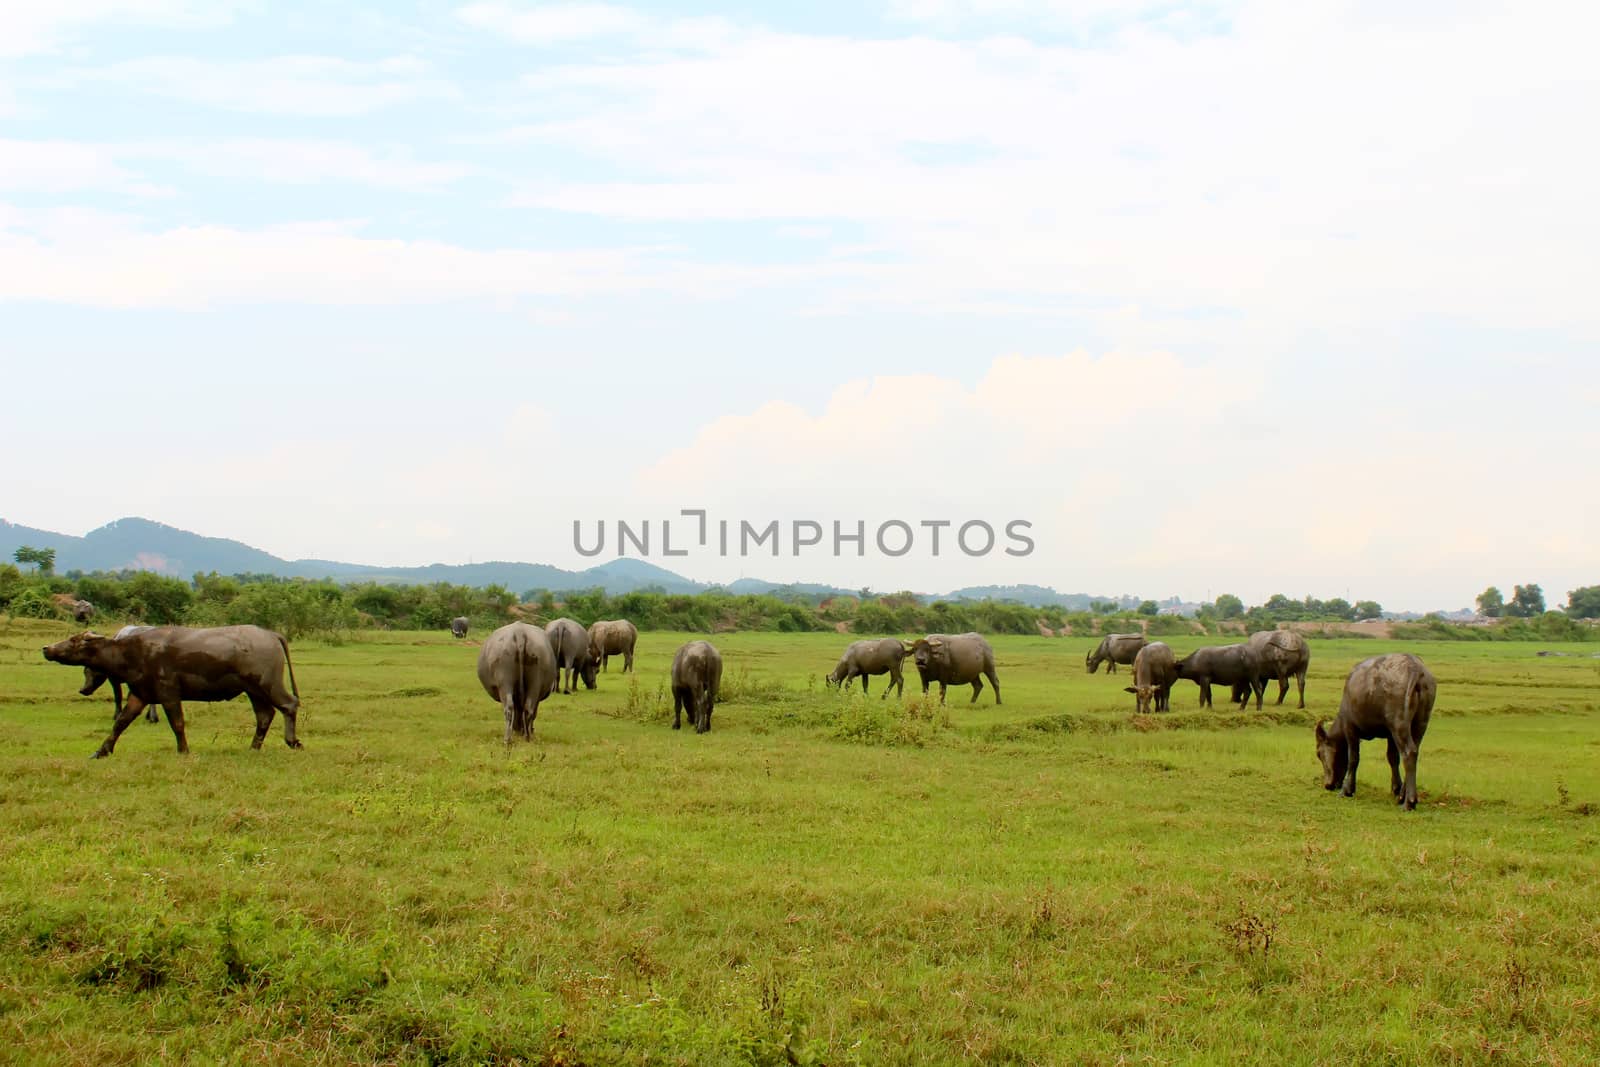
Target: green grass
<point x="820" y="879"/>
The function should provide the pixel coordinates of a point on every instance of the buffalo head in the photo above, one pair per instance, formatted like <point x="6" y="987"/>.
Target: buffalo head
<point x="1334" y="755"/>
<point x="1144" y="697"/>
<point x="79" y="650"/>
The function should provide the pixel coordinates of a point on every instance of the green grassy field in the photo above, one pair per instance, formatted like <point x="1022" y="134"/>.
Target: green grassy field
<point x="821" y="879"/>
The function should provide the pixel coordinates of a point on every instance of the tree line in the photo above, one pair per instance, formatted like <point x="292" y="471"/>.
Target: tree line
<point x="300" y="607"/>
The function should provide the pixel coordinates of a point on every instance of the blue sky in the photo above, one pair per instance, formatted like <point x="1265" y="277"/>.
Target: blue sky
<point x="1223" y="296"/>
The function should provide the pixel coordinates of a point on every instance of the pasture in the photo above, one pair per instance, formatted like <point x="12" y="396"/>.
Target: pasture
<point x="821" y="879"/>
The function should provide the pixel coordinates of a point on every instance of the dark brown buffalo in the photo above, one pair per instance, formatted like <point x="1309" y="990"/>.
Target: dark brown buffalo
<point x="82" y="610"/>
<point x="518" y="670"/>
<point x="696" y="684"/>
<point x="614" y="637"/>
<point x="93" y="679"/>
<point x="167" y="665"/>
<point x="1116" y="648"/>
<point x="1227" y="665"/>
<point x="569" y="642"/>
<point x="1154" y="672"/>
<point x="955" y="660"/>
<point x="865" y="658"/>
<point x="1284" y="655"/>
<point x="459" y="626"/>
<point x="1385" y="696"/>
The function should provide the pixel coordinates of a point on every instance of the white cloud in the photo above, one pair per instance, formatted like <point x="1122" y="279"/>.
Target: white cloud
<point x="552" y="23"/>
<point x="40" y="26"/>
<point x="72" y="166"/>
<point x="1300" y="168"/>
<point x="308" y="86"/>
<point x="87" y="257"/>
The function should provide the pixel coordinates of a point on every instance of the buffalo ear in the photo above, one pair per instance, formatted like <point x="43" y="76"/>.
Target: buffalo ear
<point x="1130" y="689"/>
<point x="1322" y="734"/>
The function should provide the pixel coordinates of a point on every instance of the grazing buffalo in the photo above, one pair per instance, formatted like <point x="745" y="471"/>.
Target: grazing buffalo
<point x="1115" y="648"/>
<point x="1154" y="672"/>
<point x="614" y="638"/>
<point x="93" y="679"/>
<point x="1385" y="696"/>
<point x="955" y="660"/>
<point x="865" y="658"/>
<point x="517" y="668"/>
<point x="1284" y="655"/>
<point x="459" y="626"/>
<point x="167" y="665"/>
<point x="696" y="683"/>
<point x="1225" y="665"/>
<point x="569" y="642"/>
<point x="82" y="610"/>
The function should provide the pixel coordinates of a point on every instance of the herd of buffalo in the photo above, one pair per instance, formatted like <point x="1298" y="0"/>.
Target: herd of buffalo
<point x="519" y="665"/>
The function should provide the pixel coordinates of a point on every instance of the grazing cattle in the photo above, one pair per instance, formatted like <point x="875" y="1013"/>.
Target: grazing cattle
<point x="82" y="610"/>
<point x="696" y="684"/>
<point x="614" y="637"/>
<point x="957" y="660"/>
<point x="517" y="669"/>
<point x="569" y="642"/>
<point x="1224" y="665"/>
<point x="865" y="658"/>
<point x="459" y="626"/>
<point x="167" y="665"/>
<point x="93" y="679"/>
<point x="1154" y="672"/>
<point x="1284" y="655"/>
<point x="1384" y="696"/>
<point x="1115" y="648"/>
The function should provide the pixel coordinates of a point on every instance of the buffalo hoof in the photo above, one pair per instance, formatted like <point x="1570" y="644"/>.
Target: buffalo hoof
<point x="294" y="744"/>
<point x="1347" y="792"/>
<point x="100" y="754"/>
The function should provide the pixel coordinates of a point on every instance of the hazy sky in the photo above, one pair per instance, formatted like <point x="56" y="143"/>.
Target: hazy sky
<point x="1249" y="297"/>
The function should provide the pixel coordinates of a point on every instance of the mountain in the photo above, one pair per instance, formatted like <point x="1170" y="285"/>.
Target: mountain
<point x="1039" y="596"/>
<point x="140" y="544"/>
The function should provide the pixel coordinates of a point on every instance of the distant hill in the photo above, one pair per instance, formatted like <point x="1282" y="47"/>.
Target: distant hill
<point x="1039" y="596"/>
<point x="141" y="544"/>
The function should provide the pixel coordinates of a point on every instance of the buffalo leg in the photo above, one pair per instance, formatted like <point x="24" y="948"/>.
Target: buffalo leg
<point x="994" y="681"/>
<point x="264" y="713"/>
<point x="1260" y="686"/>
<point x="942" y="688"/>
<point x="510" y="707"/>
<point x="1205" y="694"/>
<point x="1300" y="680"/>
<point x="977" y="687"/>
<point x="1354" y="746"/>
<point x="1394" y="768"/>
<point x="866" y="690"/>
<point x="130" y="711"/>
<point x="627" y="662"/>
<point x="1408" y="755"/>
<point x="1283" y="687"/>
<point x="677" y="710"/>
<point x="174" y="710"/>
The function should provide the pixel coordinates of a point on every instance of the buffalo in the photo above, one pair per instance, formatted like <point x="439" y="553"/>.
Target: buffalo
<point x="956" y="660"/>
<point x="865" y="658"/>
<point x="569" y="642"/>
<point x="1385" y="696"/>
<point x="167" y="665"/>
<point x="1225" y="665"/>
<point x="696" y="684"/>
<point x="1115" y="648"/>
<point x="517" y="668"/>
<point x="82" y="610"/>
<point x="93" y="679"/>
<point x="614" y="638"/>
<point x="1284" y="655"/>
<point x="459" y="626"/>
<point x="1154" y="672"/>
